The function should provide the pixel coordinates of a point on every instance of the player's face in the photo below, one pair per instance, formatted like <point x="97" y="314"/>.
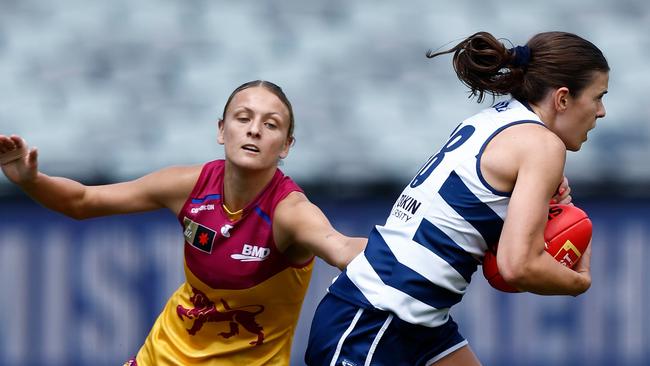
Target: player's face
<point x="583" y="111"/>
<point x="254" y="130"/>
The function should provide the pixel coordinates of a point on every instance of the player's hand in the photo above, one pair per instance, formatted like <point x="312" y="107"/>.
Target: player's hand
<point x="563" y="193"/>
<point x="583" y="267"/>
<point x="23" y="169"/>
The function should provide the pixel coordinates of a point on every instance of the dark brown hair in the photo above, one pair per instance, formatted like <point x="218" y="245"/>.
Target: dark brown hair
<point x="273" y="88"/>
<point x="549" y="60"/>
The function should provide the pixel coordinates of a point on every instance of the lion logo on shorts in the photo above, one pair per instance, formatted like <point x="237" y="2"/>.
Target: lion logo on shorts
<point x="205" y="311"/>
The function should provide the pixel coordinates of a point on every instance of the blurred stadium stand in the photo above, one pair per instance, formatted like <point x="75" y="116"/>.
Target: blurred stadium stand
<point x="112" y="90"/>
<point x="135" y="86"/>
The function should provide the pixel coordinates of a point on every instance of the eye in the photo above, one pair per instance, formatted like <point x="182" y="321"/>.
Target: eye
<point x="270" y="125"/>
<point x="243" y="119"/>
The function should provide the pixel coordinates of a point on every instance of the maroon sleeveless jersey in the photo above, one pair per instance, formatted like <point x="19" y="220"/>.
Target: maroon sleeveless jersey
<point x="232" y="255"/>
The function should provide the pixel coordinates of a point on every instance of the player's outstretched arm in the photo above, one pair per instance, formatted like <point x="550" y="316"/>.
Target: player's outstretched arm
<point x="165" y="188"/>
<point x="308" y="232"/>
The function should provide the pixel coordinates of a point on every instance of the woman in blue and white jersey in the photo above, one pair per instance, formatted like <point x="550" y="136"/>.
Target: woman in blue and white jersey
<point x="490" y="183"/>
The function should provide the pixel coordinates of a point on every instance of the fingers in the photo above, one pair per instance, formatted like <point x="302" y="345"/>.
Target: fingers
<point x="566" y="200"/>
<point x="12" y="148"/>
<point x="564" y="189"/>
<point x="564" y="184"/>
<point x="584" y="264"/>
<point x="583" y="267"/>
<point x="6" y="144"/>
<point x="18" y="141"/>
<point x="587" y="252"/>
<point x="32" y="158"/>
<point x="563" y="193"/>
<point x="11" y="143"/>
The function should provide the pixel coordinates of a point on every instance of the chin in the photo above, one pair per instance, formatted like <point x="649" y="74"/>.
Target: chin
<point x="253" y="164"/>
<point x="575" y="147"/>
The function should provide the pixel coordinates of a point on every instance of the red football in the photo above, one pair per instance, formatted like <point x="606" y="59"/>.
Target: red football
<point x="567" y="233"/>
<point x="566" y="236"/>
<point x="492" y="275"/>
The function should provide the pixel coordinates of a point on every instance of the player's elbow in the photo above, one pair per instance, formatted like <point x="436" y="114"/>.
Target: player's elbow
<point x="339" y="259"/>
<point x="76" y="210"/>
<point x="332" y="260"/>
<point x="352" y="248"/>
<point x="76" y="214"/>
<point x="339" y="264"/>
<point x="515" y="274"/>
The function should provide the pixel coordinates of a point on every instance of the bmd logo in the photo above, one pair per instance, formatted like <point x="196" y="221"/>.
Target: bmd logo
<point x="252" y="253"/>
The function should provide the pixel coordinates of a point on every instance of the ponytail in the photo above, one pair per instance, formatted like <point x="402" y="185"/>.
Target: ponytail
<point x="549" y="60"/>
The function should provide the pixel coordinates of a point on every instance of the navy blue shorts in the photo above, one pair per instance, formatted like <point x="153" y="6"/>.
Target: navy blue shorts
<point x="343" y="334"/>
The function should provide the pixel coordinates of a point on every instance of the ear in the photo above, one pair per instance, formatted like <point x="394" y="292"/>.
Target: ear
<point x="287" y="145"/>
<point x="220" y="126"/>
<point x="561" y="99"/>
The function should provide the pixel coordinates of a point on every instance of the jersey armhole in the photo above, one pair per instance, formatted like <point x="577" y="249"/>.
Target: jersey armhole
<point x="480" y="155"/>
<point x="301" y="265"/>
<point x="287" y="261"/>
<point x="195" y="189"/>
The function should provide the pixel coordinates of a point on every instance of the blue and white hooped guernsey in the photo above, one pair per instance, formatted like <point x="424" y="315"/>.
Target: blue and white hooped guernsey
<point x="421" y="261"/>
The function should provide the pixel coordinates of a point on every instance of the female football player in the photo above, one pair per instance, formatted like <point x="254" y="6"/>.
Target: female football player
<point x="250" y="235"/>
<point x="490" y="183"/>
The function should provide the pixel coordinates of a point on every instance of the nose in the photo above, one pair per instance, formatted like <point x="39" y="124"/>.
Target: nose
<point x="601" y="111"/>
<point x="254" y="128"/>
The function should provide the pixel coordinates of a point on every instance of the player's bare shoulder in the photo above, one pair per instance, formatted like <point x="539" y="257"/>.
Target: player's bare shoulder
<point x="289" y="209"/>
<point x="525" y="136"/>
<point x="539" y="137"/>
<point x="294" y="213"/>
<point x="287" y="221"/>
<point x="172" y="185"/>
<point x="514" y="147"/>
<point x="522" y="141"/>
<point x="187" y="174"/>
<point x="539" y="146"/>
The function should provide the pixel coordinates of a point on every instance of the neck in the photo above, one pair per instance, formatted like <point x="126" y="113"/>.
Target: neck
<point x="545" y="110"/>
<point x="545" y="114"/>
<point x="240" y="186"/>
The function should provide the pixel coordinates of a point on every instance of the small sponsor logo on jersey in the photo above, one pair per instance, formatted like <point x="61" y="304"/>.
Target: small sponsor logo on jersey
<point x="348" y="363"/>
<point x="405" y="207"/>
<point x="195" y="210"/>
<point x="252" y="253"/>
<point x="198" y="235"/>
<point x="502" y="106"/>
<point x="225" y="230"/>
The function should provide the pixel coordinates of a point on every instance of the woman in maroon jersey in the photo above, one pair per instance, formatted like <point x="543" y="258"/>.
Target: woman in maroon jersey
<point x="250" y="235"/>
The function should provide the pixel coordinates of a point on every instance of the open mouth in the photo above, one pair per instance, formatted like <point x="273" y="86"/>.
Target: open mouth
<point x="251" y="148"/>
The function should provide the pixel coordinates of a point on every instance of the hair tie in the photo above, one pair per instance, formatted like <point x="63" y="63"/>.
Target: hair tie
<point x="522" y="55"/>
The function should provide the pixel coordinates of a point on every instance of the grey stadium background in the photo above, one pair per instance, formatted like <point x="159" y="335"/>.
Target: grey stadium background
<point x="110" y="91"/>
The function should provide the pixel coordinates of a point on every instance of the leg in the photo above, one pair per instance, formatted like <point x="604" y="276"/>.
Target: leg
<point x="234" y="329"/>
<point x="333" y="320"/>
<point x="260" y="339"/>
<point x="462" y="356"/>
